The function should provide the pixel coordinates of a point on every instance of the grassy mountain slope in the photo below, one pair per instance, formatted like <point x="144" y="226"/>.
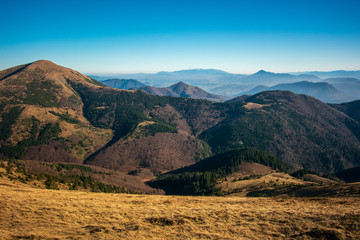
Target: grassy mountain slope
<point x="43" y="114"/>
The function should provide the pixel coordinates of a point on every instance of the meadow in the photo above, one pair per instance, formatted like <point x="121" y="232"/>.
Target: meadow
<point x="28" y="212"/>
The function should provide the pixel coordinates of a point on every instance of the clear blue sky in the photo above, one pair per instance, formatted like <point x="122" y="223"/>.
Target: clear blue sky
<point x="152" y="35"/>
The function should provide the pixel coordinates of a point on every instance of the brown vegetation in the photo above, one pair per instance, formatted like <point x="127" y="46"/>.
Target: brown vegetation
<point x="163" y="151"/>
<point x="30" y="213"/>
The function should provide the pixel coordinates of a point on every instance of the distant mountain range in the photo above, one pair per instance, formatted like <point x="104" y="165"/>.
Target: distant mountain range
<point x="331" y="90"/>
<point x="333" y="74"/>
<point x="203" y="78"/>
<point x="339" y="86"/>
<point x="269" y="78"/>
<point x="182" y="90"/>
<point x="320" y="90"/>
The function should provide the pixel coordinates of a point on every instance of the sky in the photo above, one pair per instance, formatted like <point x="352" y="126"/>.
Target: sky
<point x="243" y="36"/>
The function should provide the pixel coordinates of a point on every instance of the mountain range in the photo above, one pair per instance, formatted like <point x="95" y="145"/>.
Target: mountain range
<point x="320" y="90"/>
<point x="338" y="89"/>
<point x="182" y="90"/>
<point x="54" y="114"/>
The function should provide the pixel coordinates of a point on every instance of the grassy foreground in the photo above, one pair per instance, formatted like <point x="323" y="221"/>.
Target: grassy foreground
<point x="27" y="212"/>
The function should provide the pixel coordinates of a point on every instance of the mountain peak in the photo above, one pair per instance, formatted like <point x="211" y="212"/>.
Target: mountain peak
<point x="43" y="61"/>
<point x="45" y="65"/>
<point x="262" y="72"/>
<point x="49" y="72"/>
<point x="180" y="84"/>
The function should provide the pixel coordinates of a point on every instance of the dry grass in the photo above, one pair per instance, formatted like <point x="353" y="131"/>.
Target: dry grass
<point x="272" y="178"/>
<point x="251" y="105"/>
<point x="31" y="213"/>
<point x="282" y="184"/>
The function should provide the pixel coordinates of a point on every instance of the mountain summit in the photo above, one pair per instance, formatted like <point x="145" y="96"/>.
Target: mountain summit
<point x="43" y="83"/>
<point x="43" y="105"/>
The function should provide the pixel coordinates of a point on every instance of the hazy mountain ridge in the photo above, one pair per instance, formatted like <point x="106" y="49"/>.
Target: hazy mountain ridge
<point x="231" y="85"/>
<point x="333" y="74"/>
<point x="269" y="78"/>
<point x="320" y="90"/>
<point x="198" y="77"/>
<point x="181" y="89"/>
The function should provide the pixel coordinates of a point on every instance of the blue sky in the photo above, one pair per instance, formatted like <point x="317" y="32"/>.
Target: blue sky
<point x="106" y="37"/>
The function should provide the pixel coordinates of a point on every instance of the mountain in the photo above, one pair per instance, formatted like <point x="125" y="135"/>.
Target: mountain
<point x="54" y="114"/>
<point x="191" y="72"/>
<point x="269" y="78"/>
<point x="231" y="89"/>
<point x="43" y="115"/>
<point x="203" y="78"/>
<point x="349" y="86"/>
<point x="299" y="129"/>
<point x="123" y="83"/>
<point x="260" y="81"/>
<point x="256" y="90"/>
<point x="336" y="74"/>
<point x="351" y="109"/>
<point x="320" y="90"/>
<point x="182" y="90"/>
<point x="228" y="84"/>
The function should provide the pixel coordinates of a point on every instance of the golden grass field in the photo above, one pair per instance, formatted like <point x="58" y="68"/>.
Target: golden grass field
<point x="27" y="212"/>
